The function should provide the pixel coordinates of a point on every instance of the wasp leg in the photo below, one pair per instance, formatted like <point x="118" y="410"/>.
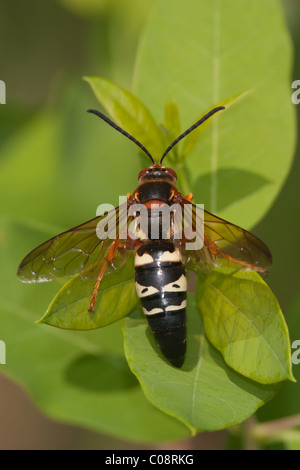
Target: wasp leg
<point x="189" y="197"/>
<point x="216" y="252"/>
<point x="108" y="260"/>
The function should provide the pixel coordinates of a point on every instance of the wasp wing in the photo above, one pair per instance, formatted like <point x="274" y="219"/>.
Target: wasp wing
<point x="223" y="240"/>
<point x="80" y="249"/>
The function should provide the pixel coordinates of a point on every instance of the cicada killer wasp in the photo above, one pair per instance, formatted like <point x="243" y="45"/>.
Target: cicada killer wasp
<point x="160" y="261"/>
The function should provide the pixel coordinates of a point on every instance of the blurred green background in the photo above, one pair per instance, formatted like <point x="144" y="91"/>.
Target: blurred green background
<point x="45" y="50"/>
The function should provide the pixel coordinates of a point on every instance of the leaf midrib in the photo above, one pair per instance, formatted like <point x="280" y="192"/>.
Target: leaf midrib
<point x="215" y="99"/>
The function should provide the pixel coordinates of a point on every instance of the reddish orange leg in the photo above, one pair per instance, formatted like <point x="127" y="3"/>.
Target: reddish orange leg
<point x="109" y="258"/>
<point x="216" y="252"/>
<point x="189" y="197"/>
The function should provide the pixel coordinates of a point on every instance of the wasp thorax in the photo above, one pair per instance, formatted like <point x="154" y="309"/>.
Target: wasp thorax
<point x="156" y="173"/>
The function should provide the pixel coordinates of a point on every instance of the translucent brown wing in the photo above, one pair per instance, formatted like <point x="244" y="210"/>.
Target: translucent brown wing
<point x="77" y="250"/>
<point x="224" y="240"/>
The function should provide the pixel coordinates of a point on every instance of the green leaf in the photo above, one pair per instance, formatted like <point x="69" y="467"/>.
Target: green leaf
<point x="72" y="161"/>
<point x="286" y="402"/>
<point x="76" y="377"/>
<point x="172" y="120"/>
<point x="34" y="146"/>
<point x="243" y="320"/>
<point x="205" y="394"/>
<point x="116" y="298"/>
<point x="191" y="139"/>
<point x="206" y="51"/>
<point x="129" y="113"/>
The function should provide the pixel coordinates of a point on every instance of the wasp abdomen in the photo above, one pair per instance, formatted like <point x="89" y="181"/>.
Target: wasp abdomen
<point x="161" y="286"/>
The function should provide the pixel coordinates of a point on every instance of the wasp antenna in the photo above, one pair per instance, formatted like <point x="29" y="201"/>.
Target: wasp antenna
<point x="115" y="126"/>
<point x="190" y="129"/>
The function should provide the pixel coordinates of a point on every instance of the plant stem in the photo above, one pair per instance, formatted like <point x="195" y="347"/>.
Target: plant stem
<point x="274" y="429"/>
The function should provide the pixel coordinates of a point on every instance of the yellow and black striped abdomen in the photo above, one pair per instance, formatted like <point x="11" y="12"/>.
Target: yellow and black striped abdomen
<point x="161" y="286"/>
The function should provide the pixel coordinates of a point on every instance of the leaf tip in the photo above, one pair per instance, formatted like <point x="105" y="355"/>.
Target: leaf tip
<point x="192" y="429"/>
<point x="88" y="79"/>
<point x="292" y="378"/>
<point x="41" y="320"/>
